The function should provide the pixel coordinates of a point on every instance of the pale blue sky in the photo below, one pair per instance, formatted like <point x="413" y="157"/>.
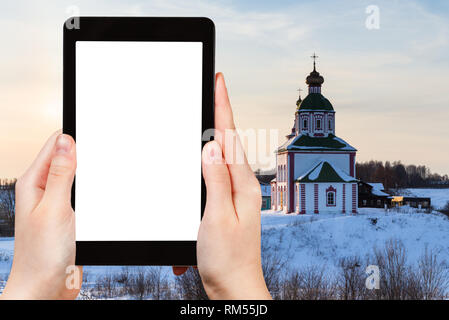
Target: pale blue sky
<point x="388" y="86"/>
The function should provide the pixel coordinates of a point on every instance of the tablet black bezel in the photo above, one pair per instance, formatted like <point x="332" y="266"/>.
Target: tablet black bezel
<point x="138" y="29"/>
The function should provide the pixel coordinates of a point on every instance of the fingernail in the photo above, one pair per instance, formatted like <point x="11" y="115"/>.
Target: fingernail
<point x="214" y="152"/>
<point x="63" y="144"/>
<point x="220" y="81"/>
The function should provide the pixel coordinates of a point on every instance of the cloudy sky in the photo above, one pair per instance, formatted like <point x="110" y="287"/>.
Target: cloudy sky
<point x="389" y="86"/>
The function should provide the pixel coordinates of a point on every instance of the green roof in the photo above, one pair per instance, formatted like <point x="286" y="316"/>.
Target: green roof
<point x="306" y="142"/>
<point x="326" y="172"/>
<point x="314" y="102"/>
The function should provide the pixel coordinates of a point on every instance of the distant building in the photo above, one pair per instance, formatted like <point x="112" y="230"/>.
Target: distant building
<point x="266" y="196"/>
<point x="414" y="202"/>
<point x="315" y="170"/>
<point x="373" y="195"/>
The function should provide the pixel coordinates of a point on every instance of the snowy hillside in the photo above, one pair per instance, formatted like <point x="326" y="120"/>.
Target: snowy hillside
<point x="439" y="197"/>
<point x="323" y="239"/>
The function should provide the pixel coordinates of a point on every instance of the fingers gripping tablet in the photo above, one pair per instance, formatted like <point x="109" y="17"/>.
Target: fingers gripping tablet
<point x="138" y="93"/>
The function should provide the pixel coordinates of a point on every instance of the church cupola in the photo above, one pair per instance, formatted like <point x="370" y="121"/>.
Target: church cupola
<point x="295" y="129"/>
<point x="298" y="102"/>
<point x="315" y="115"/>
<point x="314" y="80"/>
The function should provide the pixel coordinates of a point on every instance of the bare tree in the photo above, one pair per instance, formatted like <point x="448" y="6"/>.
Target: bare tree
<point x="157" y="283"/>
<point x="430" y="280"/>
<point x="123" y="277"/>
<point x="191" y="286"/>
<point x="310" y="283"/>
<point x="138" y="287"/>
<point x="274" y="263"/>
<point x="8" y="203"/>
<point x="291" y="287"/>
<point x="351" y="280"/>
<point x="392" y="262"/>
<point x="106" y="287"/>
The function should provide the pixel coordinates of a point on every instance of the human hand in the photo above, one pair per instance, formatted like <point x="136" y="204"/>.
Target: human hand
<point x="44" y="243"/>
<point x="228" y="247"/>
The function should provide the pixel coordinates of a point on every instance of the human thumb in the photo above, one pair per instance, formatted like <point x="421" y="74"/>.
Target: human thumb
<point x="61" y="171"/>
<point x="216" y="178"/>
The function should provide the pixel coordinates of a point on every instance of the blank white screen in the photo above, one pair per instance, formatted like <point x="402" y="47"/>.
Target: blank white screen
<point x="138" y="131"/>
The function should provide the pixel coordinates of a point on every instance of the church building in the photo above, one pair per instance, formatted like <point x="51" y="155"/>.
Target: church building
<point x="315" y="169"/>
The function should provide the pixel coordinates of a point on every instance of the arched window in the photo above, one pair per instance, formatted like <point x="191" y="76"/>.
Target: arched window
<point x="305" y="124"/>
<point x="318" y="124"/>
<point x="331" y="197"/>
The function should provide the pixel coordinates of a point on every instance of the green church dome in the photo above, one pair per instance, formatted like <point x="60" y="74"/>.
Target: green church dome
<point x="315" y="102"/>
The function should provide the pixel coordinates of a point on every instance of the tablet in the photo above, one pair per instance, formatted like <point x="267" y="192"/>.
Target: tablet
<point x="138" y="95"/>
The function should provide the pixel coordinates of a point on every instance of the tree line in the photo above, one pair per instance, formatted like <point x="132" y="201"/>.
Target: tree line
<point x="397" y="175"/>
<point x="391" y="174"/>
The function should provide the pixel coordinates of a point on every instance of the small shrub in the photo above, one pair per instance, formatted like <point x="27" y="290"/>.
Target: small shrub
<point x="445" y="209"/>
<point x="123" y="277"/>
<point x="351" y="279"/>
<point x="310" y="283"/>
<point x="391" y="261"/>
<point x="158" y="286"/>
<point x="191" y="286"/>
<point x="430" y="279"/>
<point x="106" y="287"/>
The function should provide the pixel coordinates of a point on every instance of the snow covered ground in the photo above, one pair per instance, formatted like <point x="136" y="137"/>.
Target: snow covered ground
<point x="322" y="239"/>
<point x="439" y="197"/>
<point x="6" y="253"/>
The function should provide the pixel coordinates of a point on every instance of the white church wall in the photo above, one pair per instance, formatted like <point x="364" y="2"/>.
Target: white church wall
<point x="322" y="198"/>
<point x="310" y="197"/>
<point x="323" y="208"/>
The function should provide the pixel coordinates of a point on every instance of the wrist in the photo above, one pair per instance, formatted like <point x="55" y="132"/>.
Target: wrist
<point x="19" y="288"/>
<point x="245" y="288"/>
<point x="24" y="286"/>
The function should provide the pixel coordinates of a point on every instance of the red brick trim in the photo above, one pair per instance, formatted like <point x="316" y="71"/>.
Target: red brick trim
<point x="351" y="164"/>
<point x="344" y="198"/>
<point x="354" y="198"/>
<point x="315" y="186"/>
<point x="297" y="197"/>
<point x="291" y="181"/>
<point x="303" y="198"/>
